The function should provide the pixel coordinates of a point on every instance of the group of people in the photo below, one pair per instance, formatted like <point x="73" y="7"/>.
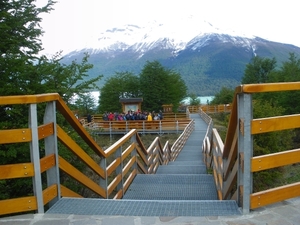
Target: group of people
<point x="133" y="115"/>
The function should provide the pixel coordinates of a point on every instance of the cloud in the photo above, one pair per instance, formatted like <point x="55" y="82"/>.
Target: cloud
<point x="74" y="23"/>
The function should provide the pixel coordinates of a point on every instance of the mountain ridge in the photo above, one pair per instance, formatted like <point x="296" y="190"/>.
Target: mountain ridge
<point x="207" y="58"/>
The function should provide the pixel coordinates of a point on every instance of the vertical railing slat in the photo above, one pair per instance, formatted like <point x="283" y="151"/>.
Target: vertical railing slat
<point x="104" y="182"/>
<point x="245" y="150"/>
<point x="51" y="147"/>
<point x="35" y="157"/>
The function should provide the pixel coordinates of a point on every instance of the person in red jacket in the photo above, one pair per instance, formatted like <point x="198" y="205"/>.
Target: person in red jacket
<point x="111" y="116"/>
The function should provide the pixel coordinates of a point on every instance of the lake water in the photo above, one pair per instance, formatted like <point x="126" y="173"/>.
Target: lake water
<point x="203" y="99"/>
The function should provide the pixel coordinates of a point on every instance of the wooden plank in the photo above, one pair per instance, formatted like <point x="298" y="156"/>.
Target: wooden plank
<point x="141" y="166"/>
<point x="278" y="159"/>
<point x="47" y="162"/>
<point x="129" y="179"/>
<point x="219" y="194"/>
<point x="15" y="136"/>
<point x="113" y="148"/>
<point x="114" y="184"/>
<point x="82" y="132"/>
<point x="215" y="177"/>
<point x="129" y="165"/>
<point x="232" y="157"/>
<point x="143" y="157"/>
<point x="77" y="150"/>
<point x="271" y="87"/>
<point x="128" y="150"/>
<point x="49" y="193"/>
<point x="219" y="142"/>
<point x="27" y="99"/>
<point x="274" y="195"/>
<point x="18" y="205"/>
<point x="150" y="169"/>
<point x="66" y="192"/>
<point x="230" y="181"/>
<point x="220" y="180"/>
<point x="45" y="130"/>
<point x="270" y="124"/>
<point x="19" y="170"/>
<point x="234" y="196"/>
<point x="112" y="167"/>
<point x="25" y="169"/>
<point x="80" y="177"/>
<point x="232" y="126"/>
<point x="127" y="183"/>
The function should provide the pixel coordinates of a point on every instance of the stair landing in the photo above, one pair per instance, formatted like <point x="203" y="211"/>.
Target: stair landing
<point x="125" y="207"/>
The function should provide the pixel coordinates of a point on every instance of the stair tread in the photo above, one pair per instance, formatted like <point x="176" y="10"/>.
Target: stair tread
<point x="181" y="169"/>
<point x="89" y="206"/>
<point x="172" y="187"/>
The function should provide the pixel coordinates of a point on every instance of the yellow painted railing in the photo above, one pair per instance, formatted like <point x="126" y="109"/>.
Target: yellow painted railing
<point x="233" y="163"/>
<point x="118" y="164"/>
<point x="211" y="108"/>
<point x="98" y="119"/>
<point x="142" y="126"/>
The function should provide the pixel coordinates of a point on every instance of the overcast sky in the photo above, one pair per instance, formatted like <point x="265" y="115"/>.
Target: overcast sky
<point x="74" y="22"/>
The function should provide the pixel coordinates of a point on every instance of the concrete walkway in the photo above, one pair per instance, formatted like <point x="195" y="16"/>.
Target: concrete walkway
<point x="283" y="213"/>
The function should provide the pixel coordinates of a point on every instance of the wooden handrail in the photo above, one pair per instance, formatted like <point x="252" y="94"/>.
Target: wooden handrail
<point x="274" y="160"/>
<point x="233" y="161"/>
<point x="140" y="159"/>
<point x="135" y="158"/>
<point x="269" y="87"/>
<point x="232" y="126"/>
<point x="78" y="151"/>
<point x="179" y="143"/>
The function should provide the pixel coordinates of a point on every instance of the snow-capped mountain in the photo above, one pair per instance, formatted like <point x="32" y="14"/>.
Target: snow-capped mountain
<point x="174" y="35"/>
<point x="207" y="57"/>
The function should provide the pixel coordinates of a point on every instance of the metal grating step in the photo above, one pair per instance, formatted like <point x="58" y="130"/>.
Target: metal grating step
<point x="185" y="163"/>
<point x="189" y="157"/>
<point x="193" y="142"/>
<point x="181" y="169"/>
<point x="162" y="194"/>
<point x="172" y="187"/>
<point x="79" y="206"/>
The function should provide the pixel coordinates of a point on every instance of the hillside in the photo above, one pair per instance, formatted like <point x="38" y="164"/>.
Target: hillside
<point x="206" y="63"/>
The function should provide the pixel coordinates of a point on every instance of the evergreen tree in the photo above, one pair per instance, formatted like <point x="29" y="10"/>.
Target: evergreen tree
<point x="122" y="85"/>
<point x="289" y="72"/>
<point x="225" y="96"/>
<point x="85" y="104"/>
<point x="258" y="70"/>
<point x="160" y="86"/>
<point x="194" y="100"/>
<point x="20" y="44"/>
<point x="23" y="72"/>
<point x="67" y="80"/>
